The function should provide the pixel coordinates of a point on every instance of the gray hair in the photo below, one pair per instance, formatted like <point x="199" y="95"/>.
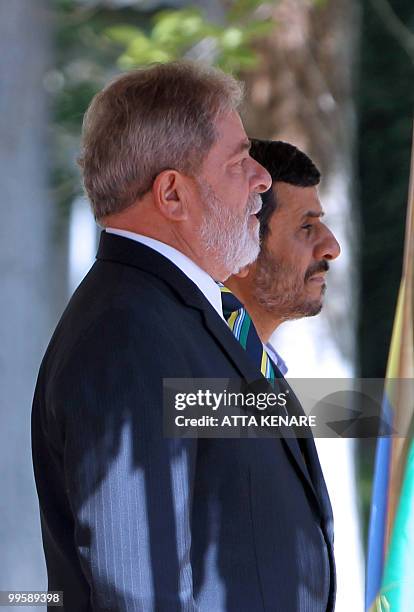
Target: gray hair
<point x="147" y="121"/>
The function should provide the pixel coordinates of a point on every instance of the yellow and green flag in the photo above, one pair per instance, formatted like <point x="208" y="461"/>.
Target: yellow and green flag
<point x="390" y="566"/>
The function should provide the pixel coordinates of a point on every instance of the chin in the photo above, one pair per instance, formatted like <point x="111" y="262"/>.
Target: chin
<point x="314" y="308"/>
<point x="309" y="308"/>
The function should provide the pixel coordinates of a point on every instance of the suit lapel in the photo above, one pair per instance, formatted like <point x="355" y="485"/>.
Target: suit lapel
<point x="318" y="480"/>
<point x="311" y="454"/>
<point x="128" y="252"/>
<point x="251" y="373"/>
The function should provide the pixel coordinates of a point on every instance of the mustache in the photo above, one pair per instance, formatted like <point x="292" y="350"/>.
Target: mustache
<point x="319" y="266"/>
<point x="254" y="204"/>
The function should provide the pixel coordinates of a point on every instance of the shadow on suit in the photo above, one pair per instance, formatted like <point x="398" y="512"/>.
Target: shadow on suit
<point x="134" y="521"/>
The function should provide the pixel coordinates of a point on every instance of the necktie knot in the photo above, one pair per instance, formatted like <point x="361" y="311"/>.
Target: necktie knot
<point x="229" y="302"/>
<point x="240" y="323"/>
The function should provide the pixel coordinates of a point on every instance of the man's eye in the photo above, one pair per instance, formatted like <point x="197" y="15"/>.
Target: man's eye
<point x="307" y="227"/>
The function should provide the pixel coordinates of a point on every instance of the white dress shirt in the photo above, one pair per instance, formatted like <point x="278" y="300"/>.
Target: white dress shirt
<point x="196" y="274"/>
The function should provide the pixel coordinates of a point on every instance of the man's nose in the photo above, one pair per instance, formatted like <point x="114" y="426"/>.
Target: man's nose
<point x="261" y="180"/>
<point x="328" y="247"/>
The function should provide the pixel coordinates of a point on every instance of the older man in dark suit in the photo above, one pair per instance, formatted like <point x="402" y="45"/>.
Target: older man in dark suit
<point x="132" y="520"/>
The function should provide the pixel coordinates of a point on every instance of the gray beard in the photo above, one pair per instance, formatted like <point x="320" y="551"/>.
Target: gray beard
<point x="225" y="237"/>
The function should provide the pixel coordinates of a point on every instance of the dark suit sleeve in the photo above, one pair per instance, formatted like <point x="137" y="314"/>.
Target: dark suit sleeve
<point x="130" y="489"/>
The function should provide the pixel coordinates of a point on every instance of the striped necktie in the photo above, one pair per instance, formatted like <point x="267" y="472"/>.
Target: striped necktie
<point x="241" y="325"/>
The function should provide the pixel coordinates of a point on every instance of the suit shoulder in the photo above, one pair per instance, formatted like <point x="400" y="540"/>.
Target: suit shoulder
<point x="125" y="307"/>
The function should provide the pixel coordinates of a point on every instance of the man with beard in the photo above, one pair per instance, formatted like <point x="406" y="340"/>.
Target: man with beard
<point x="287" y="281"/>
<point x="131" y="519"/>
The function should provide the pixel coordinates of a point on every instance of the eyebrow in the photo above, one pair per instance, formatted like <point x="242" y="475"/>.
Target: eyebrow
<point x="313" y="214"/>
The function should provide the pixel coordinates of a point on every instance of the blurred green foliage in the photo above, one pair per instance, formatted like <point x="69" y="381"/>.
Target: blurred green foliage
<point x="175" y="32"/>
<point x="94" y="43"/>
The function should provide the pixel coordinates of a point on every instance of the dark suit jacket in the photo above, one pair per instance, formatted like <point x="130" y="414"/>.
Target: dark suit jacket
<point x="135" y="521"/>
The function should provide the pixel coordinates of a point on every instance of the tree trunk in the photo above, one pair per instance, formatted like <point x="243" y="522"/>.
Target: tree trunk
<point x="29" y="283"/>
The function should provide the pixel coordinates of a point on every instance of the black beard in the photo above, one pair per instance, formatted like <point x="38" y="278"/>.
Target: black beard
<point x="281" y="296"/>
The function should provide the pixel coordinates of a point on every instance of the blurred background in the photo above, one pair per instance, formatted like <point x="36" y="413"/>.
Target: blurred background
<point x="334" y="77"/>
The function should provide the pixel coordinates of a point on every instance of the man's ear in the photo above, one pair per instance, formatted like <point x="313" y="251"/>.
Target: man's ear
<point x="169" y="191"/>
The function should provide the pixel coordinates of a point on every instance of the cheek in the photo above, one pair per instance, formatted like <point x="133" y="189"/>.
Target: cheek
<point x="228" y="190"/>
<point x="287" y="253"/>
<point x="237" y="179"/>
<point x="297" y="267"/>
<point x="302" y="255"/>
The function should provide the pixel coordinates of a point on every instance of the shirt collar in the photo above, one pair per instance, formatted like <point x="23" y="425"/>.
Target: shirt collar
<point x="276" y="358"/>
<point x="199" y="276"/>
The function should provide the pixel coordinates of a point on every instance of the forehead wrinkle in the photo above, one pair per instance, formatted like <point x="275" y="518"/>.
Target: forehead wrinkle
<point x="298" y="198"/>
<point x="228" y="152"/>
<point x="230" y="136"/>
<point x="245" y="145"/>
